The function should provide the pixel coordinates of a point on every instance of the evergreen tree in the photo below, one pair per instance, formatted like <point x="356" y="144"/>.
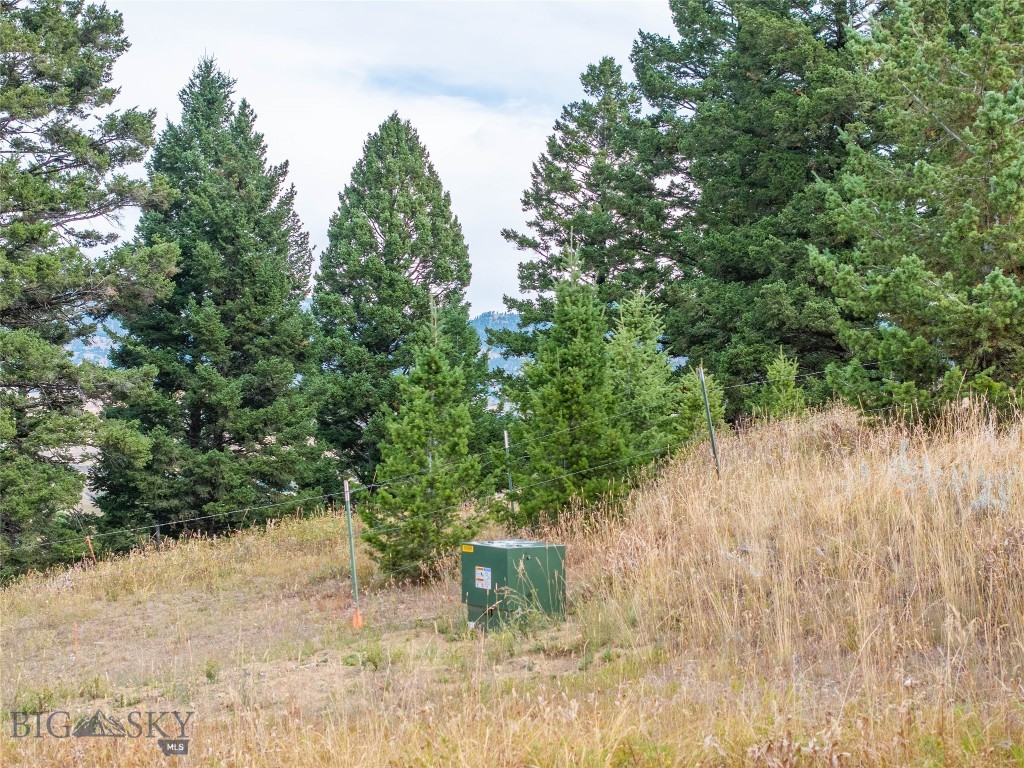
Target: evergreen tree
<point x="229" y="425"/>
<point x="781" y="396"/>
<point x="693" y="418"/>
<point x="591" y="191"/>
<point x="640" y="373"/>
<point x="395" y="246"/>
<point x="426" y="455"/>
<point x="62" y="155"/>
<point x="755" y="94"/>
<point x="467" y="353"/>
<point x="934" y="283"/>
<point x="575" y="445"/>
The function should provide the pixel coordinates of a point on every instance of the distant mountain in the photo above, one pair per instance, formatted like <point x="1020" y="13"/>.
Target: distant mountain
<point x="96" y="349"/>
<point x="498" y="321"/>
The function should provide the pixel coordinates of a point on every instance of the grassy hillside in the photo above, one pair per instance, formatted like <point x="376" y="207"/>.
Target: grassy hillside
<point x="846" y="595"/>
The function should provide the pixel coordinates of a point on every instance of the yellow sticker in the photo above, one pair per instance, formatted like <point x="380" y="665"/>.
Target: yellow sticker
<point x="467" y="547"/>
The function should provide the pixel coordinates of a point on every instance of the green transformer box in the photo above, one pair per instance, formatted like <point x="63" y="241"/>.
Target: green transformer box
<point x="503" y="579"/>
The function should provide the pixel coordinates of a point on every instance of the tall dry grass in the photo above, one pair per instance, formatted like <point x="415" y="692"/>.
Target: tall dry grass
<point x="827" y="537"/>
<point x="847" y="594"/>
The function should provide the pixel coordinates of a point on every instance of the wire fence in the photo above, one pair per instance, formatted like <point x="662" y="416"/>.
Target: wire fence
<point x="415" y="569"/>
<point x="411" y="569"/>
<point x="299" y="501"/>
<point x="492" y="456"/>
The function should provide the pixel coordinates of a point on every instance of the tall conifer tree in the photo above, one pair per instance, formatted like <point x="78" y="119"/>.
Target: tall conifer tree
<point x="62" y="157"/>
<point x="574" y="442"/>
<point x="934" y="284"/>
<point x="592" y="191"/>
<point x="395" y="246"/>
<point x="755" y="94"/>
<point x="229" y="426"/>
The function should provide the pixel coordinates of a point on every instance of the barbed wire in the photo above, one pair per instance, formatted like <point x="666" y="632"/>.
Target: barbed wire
<point x="400" y="480"/>
<point x="422" y="566"/>
<point x="588" y="422"/>
<point x="168" y="523"/>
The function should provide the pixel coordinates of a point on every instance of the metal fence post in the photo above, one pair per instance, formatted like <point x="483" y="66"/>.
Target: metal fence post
<point x="711" y="426"/>
<point x="357" y="617"/>
<point x="511" y="488"/>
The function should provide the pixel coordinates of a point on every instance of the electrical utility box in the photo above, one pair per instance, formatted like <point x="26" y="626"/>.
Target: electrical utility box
<point x="502" y="580"/>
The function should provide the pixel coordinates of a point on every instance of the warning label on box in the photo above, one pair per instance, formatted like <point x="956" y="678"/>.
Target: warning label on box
<point x="483" y="577"/>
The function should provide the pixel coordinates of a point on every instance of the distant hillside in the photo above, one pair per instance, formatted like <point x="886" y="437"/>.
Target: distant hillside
<point x="97" y="348"/>
<point x="498" y="321"/>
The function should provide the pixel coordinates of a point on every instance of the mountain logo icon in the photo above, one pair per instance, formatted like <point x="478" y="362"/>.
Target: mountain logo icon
<point x="100" y="725"/>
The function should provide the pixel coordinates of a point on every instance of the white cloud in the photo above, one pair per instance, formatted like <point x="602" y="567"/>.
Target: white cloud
<point x="482" y="82"/>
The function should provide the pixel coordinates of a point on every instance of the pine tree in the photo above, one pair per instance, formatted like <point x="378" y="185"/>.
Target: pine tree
<point x="422" y="515"/>
<point x="466" y="352"/>
<point x="781" y="396"/>
<point x="395" y="246"/>
<point x="591" y="191"/>
<point x="934" y="284"/>
<point x="755" y="94"/>
<point x="575" y="445"/>
<point x="640" y="373"/>
<point x="62" y="155"/>
<point x="229" y="423"/>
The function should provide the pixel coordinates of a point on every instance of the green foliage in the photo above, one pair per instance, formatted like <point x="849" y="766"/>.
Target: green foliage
<point x="395" y="246"/>
<point x="591" y="192"/>
<point x="424" y="514"/>
<point x="781" y="396"/>
<point x="646" y="394"/>
<point x="933" y="286"/>
<point x="62" y="155"/>
<point x="754" y="93"/>
<point x="229" y="424"/>
<point x="575" y="443"/>
<point x="693" y="417"/>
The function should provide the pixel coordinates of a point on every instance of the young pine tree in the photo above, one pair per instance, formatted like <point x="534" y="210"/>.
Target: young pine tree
<point x="575" y="444"/>
<point x="781" y="397"/>
<point x="229" y="425"/>
<point x="395" y="247"/>
<point x="426" y="455"/>
<point x="63" y="156"/>
<point x="647" y="396"/>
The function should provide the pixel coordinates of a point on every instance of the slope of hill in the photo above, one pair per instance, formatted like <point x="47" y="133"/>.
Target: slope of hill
<point x="845" y="595"/>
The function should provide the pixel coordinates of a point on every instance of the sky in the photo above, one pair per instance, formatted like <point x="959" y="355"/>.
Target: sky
<point x="482" y="82"/>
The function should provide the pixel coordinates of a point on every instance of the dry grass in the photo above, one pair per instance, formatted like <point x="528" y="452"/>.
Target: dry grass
<point x="845" y="596"/>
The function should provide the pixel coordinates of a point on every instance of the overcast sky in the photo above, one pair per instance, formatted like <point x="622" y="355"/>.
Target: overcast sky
<point x="482" y="82"/>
